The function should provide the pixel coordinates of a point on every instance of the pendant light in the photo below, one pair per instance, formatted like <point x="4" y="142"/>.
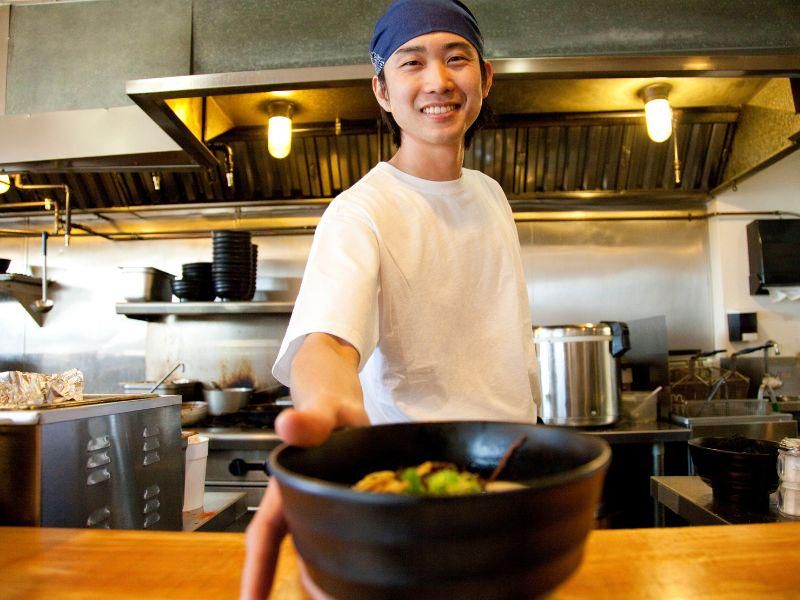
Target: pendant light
<point x="657" y="111"/>
<point x="279" y="128"/>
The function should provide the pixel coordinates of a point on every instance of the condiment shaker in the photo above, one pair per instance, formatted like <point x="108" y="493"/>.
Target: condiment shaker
<point x="789" y="460"/>
<point x="788" y="499"/>
<point x="789" y="472"/>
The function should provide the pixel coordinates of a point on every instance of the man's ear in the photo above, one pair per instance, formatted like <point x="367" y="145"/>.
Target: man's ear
<point x="381" y="94"/>
<point x="487" y="83"/>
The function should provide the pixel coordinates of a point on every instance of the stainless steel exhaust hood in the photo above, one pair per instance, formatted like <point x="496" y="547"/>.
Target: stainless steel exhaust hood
<point x="569" y="133"/>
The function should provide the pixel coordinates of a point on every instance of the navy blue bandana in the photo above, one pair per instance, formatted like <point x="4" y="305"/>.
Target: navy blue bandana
<point x="407" y="19"/>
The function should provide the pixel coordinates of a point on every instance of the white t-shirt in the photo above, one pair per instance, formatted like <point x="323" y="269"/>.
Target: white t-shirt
<point x="424" y="278"/>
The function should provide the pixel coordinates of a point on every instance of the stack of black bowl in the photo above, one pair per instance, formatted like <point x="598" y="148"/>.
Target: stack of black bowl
<point x="254" y="259"/>
<point x="233" y="268"/>
<point x="742" y="472"/>
<point x="196" y="283"/>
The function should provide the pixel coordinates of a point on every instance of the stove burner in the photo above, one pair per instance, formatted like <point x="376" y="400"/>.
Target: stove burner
<point x="253" y="416"/>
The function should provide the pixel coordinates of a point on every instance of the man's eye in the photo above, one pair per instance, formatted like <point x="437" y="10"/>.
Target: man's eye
<point x="457" y="58"/>
<point x="410" y="63"/>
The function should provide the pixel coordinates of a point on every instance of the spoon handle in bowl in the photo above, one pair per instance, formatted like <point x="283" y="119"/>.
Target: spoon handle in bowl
<point x="505" y="458"/>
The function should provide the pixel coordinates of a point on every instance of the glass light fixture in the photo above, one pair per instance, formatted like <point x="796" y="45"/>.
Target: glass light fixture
<point x="5" y="183"/>
<point x="657" y="111"/>
<point x="279" y="128"/>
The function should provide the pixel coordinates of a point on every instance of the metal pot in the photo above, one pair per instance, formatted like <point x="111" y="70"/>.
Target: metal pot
<point x="579" y="373"/>
<point x="227" y="400"/>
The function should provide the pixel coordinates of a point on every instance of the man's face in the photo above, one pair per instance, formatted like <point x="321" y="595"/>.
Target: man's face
<point x="433" y="88"/>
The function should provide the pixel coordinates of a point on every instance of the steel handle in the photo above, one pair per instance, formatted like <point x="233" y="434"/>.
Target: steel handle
<point x="164" y="378"/>
<point x="44" y="266"/>
<point x="766" y="346"/>
<point x="240" y="467"/>
<point x="708" y="354"/>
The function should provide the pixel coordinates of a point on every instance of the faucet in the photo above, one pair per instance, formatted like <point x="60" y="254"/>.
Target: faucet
<point x="769" y="382"/>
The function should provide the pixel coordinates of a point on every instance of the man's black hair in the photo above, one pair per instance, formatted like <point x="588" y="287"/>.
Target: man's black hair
<point x="485" y="116"/>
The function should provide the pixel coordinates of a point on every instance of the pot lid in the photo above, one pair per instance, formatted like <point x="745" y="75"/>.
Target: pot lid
<point x="574" y="330"/>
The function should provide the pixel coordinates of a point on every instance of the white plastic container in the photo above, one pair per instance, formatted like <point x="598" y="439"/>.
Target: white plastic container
<point x="196" y="457"/>
<point x="639" y="407"/>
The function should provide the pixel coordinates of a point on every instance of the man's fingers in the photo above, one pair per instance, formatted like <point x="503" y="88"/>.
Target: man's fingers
<point x="351" y="415"/>
<point x="263" y="541"/>
<point x="304" y="427"/>
<point x="311" y="427"/>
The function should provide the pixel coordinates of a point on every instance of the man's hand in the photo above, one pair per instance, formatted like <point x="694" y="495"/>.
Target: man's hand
<point x="327" y="394"/>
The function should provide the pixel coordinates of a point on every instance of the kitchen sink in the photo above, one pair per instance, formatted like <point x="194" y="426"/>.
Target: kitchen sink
<point x="750" y="418"/>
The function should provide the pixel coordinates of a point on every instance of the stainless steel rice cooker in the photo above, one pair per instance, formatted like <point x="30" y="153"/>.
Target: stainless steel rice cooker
<point x="579" y="372"/>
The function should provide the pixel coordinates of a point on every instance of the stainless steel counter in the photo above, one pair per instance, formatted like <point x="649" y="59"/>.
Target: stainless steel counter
<point x="641" y="433"/>
<point x="122" y="403"/>
<point x="655" y="434"/>
<point x="220" y="512"/>
<point x="691" y="499"/>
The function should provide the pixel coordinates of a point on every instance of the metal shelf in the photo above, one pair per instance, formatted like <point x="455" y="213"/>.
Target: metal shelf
<point x="25" y="290"/>
<point x="155" y="311"/>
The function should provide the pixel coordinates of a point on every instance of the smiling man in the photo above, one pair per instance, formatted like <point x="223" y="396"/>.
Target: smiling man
<point x="413" y="305"/>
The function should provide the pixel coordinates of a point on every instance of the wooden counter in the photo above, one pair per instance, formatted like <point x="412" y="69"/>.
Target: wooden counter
<point x="730" y="562"/>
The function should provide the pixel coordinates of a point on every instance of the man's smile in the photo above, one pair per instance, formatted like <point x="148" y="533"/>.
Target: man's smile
<point x="439" y="109"/>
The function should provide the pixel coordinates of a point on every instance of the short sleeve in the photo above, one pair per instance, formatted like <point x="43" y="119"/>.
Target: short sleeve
<point x="339" y="291"/>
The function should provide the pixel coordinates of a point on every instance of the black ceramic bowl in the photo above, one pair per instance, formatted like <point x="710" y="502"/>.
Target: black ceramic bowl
<point x="192" y="290"/>
<point x="741" y="471"/>
<point x="513" y="544"/>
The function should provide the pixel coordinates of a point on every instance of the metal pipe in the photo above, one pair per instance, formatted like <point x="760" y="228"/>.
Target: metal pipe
<point x="46" y="203"/>
<point x="228" y="160"/>
<point x="676" y="165"/>
<point x="207" y="205"/>
<point x="557" y="219"/>
<point x="19" y="232"/>
<point x="684" y="217"/>
<point x="26" y="204"/>
<point x="91" y="231"/>
<point x="67" y="217"/>
<point x="54" y="186"/>
<point x="311" y="202"/>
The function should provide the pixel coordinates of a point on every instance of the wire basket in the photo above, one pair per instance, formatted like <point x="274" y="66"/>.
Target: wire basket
<point x="690" y="381"/>
<point x="734" y="388"/>
<point x="689" y="389"/>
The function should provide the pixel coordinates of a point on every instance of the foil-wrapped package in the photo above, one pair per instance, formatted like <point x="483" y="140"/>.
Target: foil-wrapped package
<point x="25" y="390"/>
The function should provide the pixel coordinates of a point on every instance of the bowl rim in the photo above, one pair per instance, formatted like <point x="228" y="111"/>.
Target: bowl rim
<point x="695" y="443"/>
<point x="194" y="405"/>
<point x="337" y="491"/>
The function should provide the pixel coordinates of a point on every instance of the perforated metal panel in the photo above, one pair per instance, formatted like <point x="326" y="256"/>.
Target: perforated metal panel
<point x="530" y="161"/>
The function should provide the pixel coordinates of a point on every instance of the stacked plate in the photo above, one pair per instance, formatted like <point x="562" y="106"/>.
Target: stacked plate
<point x="232" y="271"/>
<point x="196" y="284"/>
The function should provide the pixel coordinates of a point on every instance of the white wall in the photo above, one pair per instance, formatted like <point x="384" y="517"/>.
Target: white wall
<point x="775" y="188"/>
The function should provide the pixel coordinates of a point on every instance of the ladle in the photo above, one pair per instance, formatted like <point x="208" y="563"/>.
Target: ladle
<point x="44" y="304"/>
